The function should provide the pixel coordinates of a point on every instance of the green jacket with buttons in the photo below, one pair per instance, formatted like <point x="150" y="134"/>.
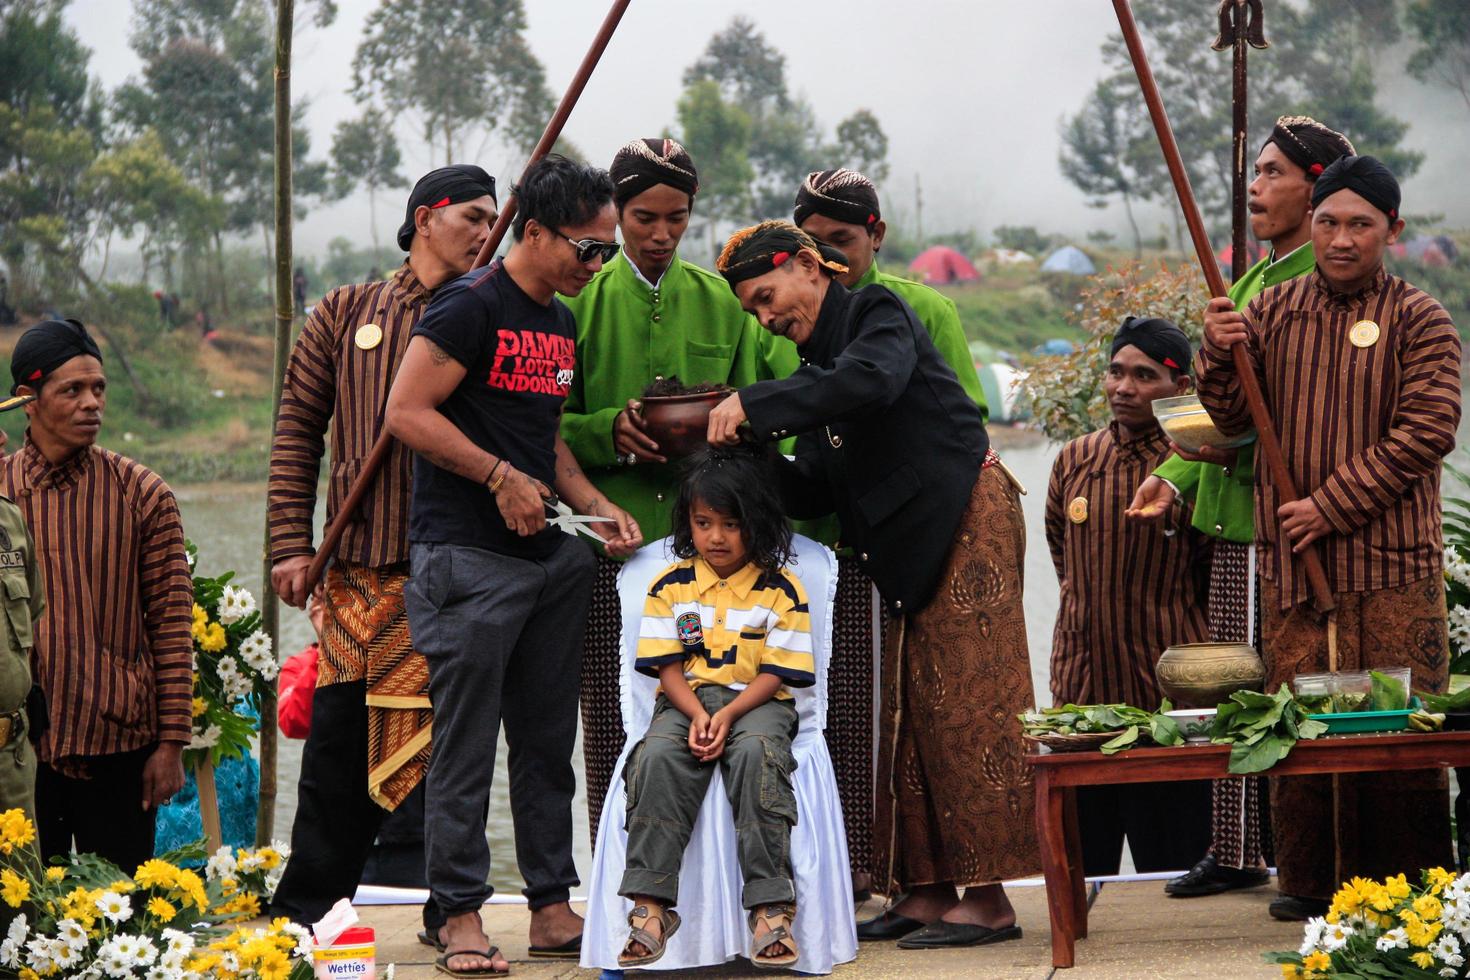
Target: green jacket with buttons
<point x="628" y="335"/>
<point x="938" y="315"/>
<point x="1224" y="496"/>
<point x="24" y="602"/>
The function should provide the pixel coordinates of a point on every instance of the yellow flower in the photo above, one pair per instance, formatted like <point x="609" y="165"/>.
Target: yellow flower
<point x="161" y="909"/>
<point x="13" y="888"/>
<point x="198" y="707"/>
<point x="1422" y="960"/>
<point x="155" y="873"/>
<point x="122" y="886"/>
<point x="269" y="857"/>
<point x="55" y="873"/>
<point x="238" y="909"/>
<point x="1438" y="879"/>
<point x="1398" y="886"/>
<point x="1428" y="906"/>
<point x="1290" y="971"/>
<point x="213" y="640"/>
<point x="15" y="830"/>
<point x="200" y="616"/>
<point x="191" y="888"/>
<point x="1380" y="899"/>
<point x="27" y="973"/>
<point x="1316" y="964"/>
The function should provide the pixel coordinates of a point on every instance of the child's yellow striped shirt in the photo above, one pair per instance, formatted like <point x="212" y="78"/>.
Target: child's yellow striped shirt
<point x="727" y="631"/>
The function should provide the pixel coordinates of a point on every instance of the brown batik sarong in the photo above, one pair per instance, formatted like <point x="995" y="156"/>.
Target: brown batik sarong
<point x="955" y="800"/>
<point x="1388" y="822"/>
<point x="365" y="637"/>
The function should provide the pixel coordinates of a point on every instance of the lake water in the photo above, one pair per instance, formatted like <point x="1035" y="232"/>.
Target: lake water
<point x="226" y="522"/>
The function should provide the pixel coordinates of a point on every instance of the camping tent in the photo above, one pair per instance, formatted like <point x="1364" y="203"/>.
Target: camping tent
<point x="999" y="383"/>
<point x="941" y="264"/>
<point x="1070" y="259"/>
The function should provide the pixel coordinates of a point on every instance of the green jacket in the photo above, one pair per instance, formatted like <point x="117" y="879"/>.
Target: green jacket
<point x="939" y="316"/>
<point x="1224" y="496"/>
<point x="629" y="335"/>
<point x="24" y="602"/>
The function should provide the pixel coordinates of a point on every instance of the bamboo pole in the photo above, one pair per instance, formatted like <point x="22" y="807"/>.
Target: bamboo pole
<point x="384" y="444"/>
<point x="265" y="814"/>
<point x="1270" y="445"/>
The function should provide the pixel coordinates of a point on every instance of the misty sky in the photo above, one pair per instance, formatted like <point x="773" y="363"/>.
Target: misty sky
<point x="970" y="93"/>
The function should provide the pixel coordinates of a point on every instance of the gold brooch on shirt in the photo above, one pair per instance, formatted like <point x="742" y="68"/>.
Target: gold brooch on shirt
<point x="1077" y="510"/>
<point x="368" y="336"/>
<point x="1364" y="333"/>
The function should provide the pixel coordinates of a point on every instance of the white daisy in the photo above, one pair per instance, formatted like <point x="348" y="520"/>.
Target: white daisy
<point x="220" y="865"/>
<point x="1335" y="936"/>
<point x="1393" y="939"/>
<point x="115" y="907"/>
<point x="235" y="604"/>
<point x="71" y="932"/>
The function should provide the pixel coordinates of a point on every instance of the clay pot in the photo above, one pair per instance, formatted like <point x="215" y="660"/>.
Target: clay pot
<point x="679" y="423"/>
<point x="1201" y="675"/>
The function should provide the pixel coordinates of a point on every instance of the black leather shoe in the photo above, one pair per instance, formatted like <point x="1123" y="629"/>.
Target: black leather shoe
<point x="1291" y="908"/>
<point x="1208" y="877"/>
<point x="887" y="926"/>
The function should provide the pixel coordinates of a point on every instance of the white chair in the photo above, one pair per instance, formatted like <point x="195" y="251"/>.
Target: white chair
<point x="714" y="926"/>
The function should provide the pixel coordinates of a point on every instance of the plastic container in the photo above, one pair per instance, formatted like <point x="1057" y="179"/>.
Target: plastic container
<point x="352" y="956"/>
<point x="1185" y="421"/>
<point x="1380" y="701"/>
<point x="1352" y="692"/>
<point x="1314" y="691"/>
<point x="1368" y="721"/>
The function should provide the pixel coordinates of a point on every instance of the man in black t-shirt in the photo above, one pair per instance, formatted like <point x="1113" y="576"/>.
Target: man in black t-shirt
<point x="497" y="600"/>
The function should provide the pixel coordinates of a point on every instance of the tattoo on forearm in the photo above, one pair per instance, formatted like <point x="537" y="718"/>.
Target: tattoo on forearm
<point x="437" y="354"/>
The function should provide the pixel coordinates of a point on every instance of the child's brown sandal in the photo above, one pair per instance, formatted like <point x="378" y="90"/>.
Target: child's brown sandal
<point x="775" y="935"/>
<point x="668" y="919"/>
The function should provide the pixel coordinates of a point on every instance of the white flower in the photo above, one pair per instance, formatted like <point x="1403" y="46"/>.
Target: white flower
<point x="178" y="942"/>
<point x="162" y="972"/>
<point x="1449" y="971"/>
<point x="206" y="739"/>
<point x="144" y="952"/>
<point x="115" y="958"/>
<point x="1448" y="950"/>
<point x="255" y="650"/>
<point x="1335" y="936"/>
<point x="1312" y="935"/>
<point x="41" y="954"/>
<point x="115" y="907"/>
<point x="221" y="865"/>
<point x="388" y="974"/>
<point x="304" y="944"/>
<point x="65" y="955"/>
<point x="235" y="604"/>
<point x="1393" y="939"/>
<point x="70" y="931"/>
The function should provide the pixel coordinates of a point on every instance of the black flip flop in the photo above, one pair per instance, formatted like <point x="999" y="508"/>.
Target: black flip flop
<point x="442" y="963"/>
<point x="887" y="926"/>
<point x="569" y="950"/>
<point x="950" y="935"/>
<point x="430" y="937"/>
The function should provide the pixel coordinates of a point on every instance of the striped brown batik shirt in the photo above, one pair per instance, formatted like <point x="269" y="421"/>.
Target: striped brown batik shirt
<point x="1365" y="393"/>
<point x="113" y="650"/>
<point x="1128" y="589"/>
<point x="338" y="379"/>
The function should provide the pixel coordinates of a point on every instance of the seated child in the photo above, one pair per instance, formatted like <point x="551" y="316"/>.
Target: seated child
<point x="726" y="631"/>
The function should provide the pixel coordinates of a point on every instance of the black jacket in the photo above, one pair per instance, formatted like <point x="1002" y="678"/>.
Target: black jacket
<point x="887" y="438"/>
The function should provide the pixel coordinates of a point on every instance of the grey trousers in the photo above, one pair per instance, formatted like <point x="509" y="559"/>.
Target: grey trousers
<point x="503" y="640"/>
<point x="666" y="786"/>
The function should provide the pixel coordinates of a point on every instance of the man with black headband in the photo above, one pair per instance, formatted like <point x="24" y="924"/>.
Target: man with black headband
<point x="370" y="733"/>
<point x="1221" y="484"/>
<point x="113" y="649"/>
<point x="497" y="599"/>
<point x="840" y="207"/>
<point x="1128" y="590"/>
<point x="1362" y="372"/>
<point x="648" y="316"/>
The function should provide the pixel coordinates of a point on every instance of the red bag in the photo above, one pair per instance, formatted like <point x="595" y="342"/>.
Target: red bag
<point x="294" y="690"/>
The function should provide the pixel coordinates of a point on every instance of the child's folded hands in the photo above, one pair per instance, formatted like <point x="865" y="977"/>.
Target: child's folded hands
<point x="707" y="735"/>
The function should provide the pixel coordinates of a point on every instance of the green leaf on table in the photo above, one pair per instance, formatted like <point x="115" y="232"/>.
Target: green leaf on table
<point x="1387" y="693"/>
<point x="1164" y="730"/>
<point x="1123" y="741"/>
<point x="1310" y="728"/>
<point x="1259" y="757"/>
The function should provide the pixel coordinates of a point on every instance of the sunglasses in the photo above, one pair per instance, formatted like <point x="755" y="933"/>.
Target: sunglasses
<point x="590" y="248"/>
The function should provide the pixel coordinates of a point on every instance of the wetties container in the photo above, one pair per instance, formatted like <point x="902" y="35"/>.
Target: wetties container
<point x="352" y="956"/>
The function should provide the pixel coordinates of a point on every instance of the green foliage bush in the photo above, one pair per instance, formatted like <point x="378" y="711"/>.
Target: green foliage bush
<point x="1065" y="393"/>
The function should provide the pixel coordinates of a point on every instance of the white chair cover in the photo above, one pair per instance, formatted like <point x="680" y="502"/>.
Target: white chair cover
<point x="714" y="926"/>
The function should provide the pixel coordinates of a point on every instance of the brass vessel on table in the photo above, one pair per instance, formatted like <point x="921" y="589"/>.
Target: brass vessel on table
<point x="1201" y="675"/>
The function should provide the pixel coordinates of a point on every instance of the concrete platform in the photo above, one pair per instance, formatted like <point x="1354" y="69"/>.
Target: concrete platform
<point x="1137" y="934"/>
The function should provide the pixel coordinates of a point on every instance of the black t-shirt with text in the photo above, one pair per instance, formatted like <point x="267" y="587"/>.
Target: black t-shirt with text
<point x="518" y="356"/>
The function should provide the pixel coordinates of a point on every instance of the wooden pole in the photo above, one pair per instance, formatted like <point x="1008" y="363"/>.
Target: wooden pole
<point x="1270" y="445"/>
<point x="1239" y="226"/>
<point x="384" y="444"/>
<point x="208" y="805"/>
<point x="265" y="814"/>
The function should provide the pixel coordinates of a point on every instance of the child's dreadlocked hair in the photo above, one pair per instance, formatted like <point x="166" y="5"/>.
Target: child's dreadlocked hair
<point x="737" y="481"/>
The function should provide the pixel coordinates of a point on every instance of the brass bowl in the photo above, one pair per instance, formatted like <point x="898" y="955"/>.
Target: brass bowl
<point x="1201" y="675"/>
<point x="679" y="423"/>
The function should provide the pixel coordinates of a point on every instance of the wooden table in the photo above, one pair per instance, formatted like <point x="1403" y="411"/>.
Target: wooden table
<point x="1059" y="773"/>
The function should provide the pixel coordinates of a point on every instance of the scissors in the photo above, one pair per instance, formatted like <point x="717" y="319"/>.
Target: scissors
<point x="560" y="515"/>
